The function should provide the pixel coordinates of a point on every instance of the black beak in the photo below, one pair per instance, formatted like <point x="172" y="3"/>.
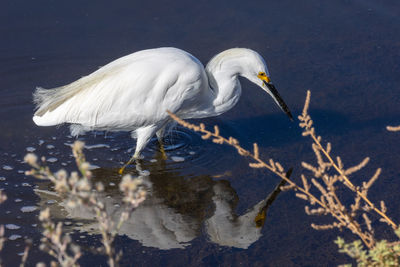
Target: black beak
<point x="278" y="99"/>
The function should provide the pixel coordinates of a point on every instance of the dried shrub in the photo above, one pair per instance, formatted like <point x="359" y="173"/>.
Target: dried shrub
<point x="319" y="188"/>
<point x="78" y="189"/>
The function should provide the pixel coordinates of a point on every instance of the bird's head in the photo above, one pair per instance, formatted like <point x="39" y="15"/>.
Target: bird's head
<point x="256" y="71"/>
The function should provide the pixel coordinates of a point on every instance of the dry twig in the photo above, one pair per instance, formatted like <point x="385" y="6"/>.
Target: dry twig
<point x="79" y="190"/>
<point x="393" y="128"/>
<point x="306" y="123"/>
<point x="328" y="201"/>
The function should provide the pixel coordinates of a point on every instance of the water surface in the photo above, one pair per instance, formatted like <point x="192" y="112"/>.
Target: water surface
<point x="346" y="52"/>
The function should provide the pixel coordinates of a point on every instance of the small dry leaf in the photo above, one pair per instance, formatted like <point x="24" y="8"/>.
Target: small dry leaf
<point x="302" y="196"/>
<point x="218" y="140"/>
<point x="279" y="167"/>
<point x="287" y="187"/>
<point x="255" y="148"/>
<point x="256" y="165"/>
<point x="206" y="135"/>
<point x="216" y="130"/>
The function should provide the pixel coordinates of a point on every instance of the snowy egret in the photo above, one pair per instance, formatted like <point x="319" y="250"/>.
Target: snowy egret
<point x="133" y="92"/>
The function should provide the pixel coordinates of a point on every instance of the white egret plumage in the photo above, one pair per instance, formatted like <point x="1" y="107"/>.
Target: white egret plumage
<point x="134" y="92"/>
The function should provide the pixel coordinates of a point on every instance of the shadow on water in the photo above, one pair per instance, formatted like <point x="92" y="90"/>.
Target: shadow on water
<point x="274" y="130"/>
<point x="177" y="209"/>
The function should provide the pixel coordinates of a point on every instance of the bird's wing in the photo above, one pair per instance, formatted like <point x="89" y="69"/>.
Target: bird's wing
<point x="130" y="92"/>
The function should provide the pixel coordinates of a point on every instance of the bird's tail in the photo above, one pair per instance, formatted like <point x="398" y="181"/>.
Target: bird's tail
<point x="48" y="100"/>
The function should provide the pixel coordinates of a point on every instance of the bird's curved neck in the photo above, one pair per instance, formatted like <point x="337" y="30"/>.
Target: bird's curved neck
<point x="223" y="72"/>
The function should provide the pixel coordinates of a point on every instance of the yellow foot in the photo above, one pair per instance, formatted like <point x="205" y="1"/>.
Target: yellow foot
<point x="121" y="171"/>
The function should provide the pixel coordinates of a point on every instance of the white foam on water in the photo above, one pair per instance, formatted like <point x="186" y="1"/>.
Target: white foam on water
<point x="50" y="147"/>
<point x="97" y="146"/>
<point x="26" y="184"/>
<point x="17" y="200"/>
<point x="28" y="209"/>
<point x="12" y="226"/>
<point x="93" y="167"/>
<point x="14" y="237"/>
<point x="52" y="160"/>
<point x="2" y="178"/>
<point x="8" y="168"/>
<point x="178" y="159"/>
<point x="30" y="149"/>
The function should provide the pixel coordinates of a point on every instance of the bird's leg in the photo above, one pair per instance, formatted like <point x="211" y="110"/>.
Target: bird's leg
<point x="163" y="154"/>
<point x="144" y="135"/>
<point x="132" y="159"/>
<point x="160" y="138"/>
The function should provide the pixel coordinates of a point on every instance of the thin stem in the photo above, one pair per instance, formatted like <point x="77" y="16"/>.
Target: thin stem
<point x="233" y="142"/>
<point x="351" y="185"/>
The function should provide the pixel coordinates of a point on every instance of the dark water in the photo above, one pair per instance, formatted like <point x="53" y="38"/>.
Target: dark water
<point x="346" y="52"/>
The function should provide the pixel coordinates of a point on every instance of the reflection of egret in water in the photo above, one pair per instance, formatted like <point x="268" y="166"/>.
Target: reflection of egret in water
<point x="175" y="210"/>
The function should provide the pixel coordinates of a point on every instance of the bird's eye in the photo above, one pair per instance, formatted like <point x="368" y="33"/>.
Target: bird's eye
<point x="261" y="75"/>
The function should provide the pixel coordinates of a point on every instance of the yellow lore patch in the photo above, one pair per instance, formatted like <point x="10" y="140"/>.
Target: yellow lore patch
<point x="263" y="76"/>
